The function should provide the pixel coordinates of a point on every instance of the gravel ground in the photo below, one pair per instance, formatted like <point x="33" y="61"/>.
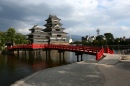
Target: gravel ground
<point x="83" y="73"/>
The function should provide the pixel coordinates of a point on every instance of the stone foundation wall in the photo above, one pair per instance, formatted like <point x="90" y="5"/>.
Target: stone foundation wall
<point x="57" y="43"/>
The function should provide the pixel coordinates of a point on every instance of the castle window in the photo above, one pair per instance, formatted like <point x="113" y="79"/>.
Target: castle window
<point x="57" y="29"/>
<point x="58" y="35"/>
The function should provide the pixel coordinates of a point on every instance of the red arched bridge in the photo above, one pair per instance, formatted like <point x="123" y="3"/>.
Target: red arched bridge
<point x="97" y="51"/>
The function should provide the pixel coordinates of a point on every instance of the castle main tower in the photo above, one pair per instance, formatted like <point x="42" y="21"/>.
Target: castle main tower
<point x="56" y="32"/>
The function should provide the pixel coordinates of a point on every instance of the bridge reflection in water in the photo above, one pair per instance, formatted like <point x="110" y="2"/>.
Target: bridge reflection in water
<point x="15" y="67"/>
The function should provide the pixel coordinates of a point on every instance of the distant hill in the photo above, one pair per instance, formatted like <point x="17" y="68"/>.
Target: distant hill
<point x="75" y="37"/>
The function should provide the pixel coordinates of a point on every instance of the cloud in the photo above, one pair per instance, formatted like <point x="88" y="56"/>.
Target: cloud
<point x="125" y="28"/>
<point x="80" y="17"/>
<point x="25" y="31"/>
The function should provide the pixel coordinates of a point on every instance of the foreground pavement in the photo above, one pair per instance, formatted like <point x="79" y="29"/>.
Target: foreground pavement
<point x="110" y="71"/>
<point x="77" y="74"/>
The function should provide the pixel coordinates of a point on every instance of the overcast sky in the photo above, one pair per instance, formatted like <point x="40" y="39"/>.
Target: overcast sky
<point x="79" y="17"/>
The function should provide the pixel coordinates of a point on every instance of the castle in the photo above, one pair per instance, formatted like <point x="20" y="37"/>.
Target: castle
<point x="52" y="33"/>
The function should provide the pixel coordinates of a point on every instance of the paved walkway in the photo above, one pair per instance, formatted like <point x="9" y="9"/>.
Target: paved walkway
<point x="107" y="72"/>
<point x="115" y="72"/>
<point x="110" y="59"/>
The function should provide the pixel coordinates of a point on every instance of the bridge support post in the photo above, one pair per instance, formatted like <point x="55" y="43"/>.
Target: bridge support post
<point x="29" y="53"/>
<point x="77" y="54"/>
<point x="25" y="53"/>
<point x="63" y="56"/>
<point x="77" y="58"/>
<point x="48" y="54"/>
<point x="39" y="52"/>
<point x="60" y="56"/>
<point x="13" y="52"/>
<point x="18" y="52"/>
<point x="22" y="53"/>
<point x="34" y="53"/>
<point x="81" y="57"/>
<point x="61" y="52"/>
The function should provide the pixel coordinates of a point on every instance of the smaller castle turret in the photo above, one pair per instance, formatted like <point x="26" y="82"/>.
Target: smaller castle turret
<point x="37" y="35"/>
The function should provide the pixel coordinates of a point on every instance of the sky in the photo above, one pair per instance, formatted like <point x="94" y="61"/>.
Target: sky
<point x="79" y="17"/>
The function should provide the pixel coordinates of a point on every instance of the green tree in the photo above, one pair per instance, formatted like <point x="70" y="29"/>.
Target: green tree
<point x="99" y="37"/>
<point x="10" y="37"/>
<point x="11" y="33"/>
<point x="2" y="39"/>
<point x="20" y="39"/>
<point x="109" y="36"/>
<point x="95" y="42"/>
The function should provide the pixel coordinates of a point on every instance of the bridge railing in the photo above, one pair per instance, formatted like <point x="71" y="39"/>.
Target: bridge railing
<point x="74" y="48"/>
<point x="99" y="54"/>
<point x="22" y="46"/>
<point x="27" y="46"/>
<point x="98" y="51"/>
<point x="34" y="46"/>
<point x="108" y="50"/>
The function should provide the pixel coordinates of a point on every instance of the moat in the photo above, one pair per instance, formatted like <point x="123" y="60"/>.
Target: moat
<point x="14" y="67"/>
